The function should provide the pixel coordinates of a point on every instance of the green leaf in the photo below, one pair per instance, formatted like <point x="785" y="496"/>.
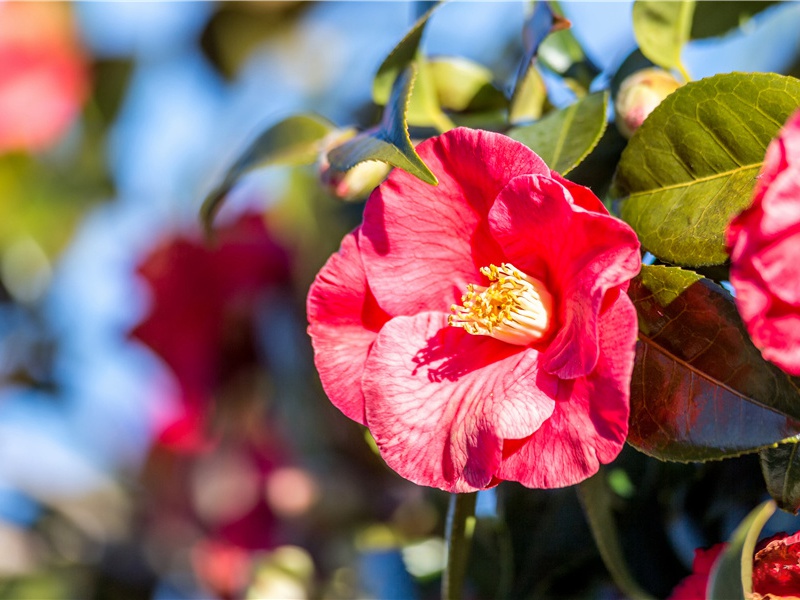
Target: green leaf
<point x="781" y="468"/>
<point x="528" y="88"/>
<point x="398" y="60"/>
<point x="693" y="163"/>
<point x="718" y="18"/>
<point x="700" y="390"/>
<point x="662" y="28"/>
<point x="293" y="141"/>
<point x="464" y="85"/>
<point x="565" y="137"/>
<point x="529" y="99"/>
<point x="423" y="108"/>
<point x="389" y="142"/>
<point x="732" y="575"/>
<point x="596" y="498"/>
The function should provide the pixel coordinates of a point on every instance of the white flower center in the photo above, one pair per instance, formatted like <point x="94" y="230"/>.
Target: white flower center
<point x="515" y="308"/>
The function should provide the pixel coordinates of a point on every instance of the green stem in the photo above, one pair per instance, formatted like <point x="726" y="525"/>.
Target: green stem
<point x="595" y="498"/>
<point x="684" y="73"/>
<point x="459" y="537"/>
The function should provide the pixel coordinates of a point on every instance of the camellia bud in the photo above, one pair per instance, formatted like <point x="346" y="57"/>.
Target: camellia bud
<point x="354" y="184"/>
<point x="639" y="94"/>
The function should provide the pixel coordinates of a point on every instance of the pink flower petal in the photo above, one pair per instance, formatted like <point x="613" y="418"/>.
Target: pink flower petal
<point x="590" y="421"/>
<point x="421" y="245"/>
<point x="344" y="321"/>
<point x="439" y="401"/>
<point x="581" y="195"/>
<point x="580" y="256"/>
<point x="779" y="272"/>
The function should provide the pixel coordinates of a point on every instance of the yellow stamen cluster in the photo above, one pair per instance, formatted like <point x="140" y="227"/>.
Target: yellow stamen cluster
<point x="515" y="308"/>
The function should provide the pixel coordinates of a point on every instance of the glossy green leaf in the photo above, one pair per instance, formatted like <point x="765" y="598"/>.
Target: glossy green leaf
<point x="700" y="390"/>
<point x="389" y="142"/>
<point x="781" y="468"/>
<point x="565" y="137"/>
<point x="596" y="498"/>
<point x="662" y="29"/>
<point x="718" y="18"/>
<point x="732" y="575"/>
<point x="293" y="141"/>
<point x="464" y="85"/>
<point x="693" y="163"/>
<point x="398" y="60"/>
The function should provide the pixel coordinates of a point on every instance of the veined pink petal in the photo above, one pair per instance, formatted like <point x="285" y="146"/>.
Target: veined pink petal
<point x="779" y="181"/>
<point x="439" y="401"/>
<point x="763" y="242"/>
<point x="590" y="421"/>
<point x="580" y="255"/>
<point x="421" y="245"/>
<point x="344" y="321"/>
<point x="778" y="267"/>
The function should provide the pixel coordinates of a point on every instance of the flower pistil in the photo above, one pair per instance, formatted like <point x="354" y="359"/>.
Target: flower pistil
<point x="515" y="308"/>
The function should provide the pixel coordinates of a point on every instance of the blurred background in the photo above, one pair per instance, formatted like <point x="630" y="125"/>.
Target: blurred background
<point x="162" y="430"/>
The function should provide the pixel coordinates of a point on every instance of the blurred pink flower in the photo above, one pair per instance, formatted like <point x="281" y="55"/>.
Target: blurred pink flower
<point x="203" y="310"/>
<point x="528" y="379"/>
<point x="44" y="76"/>
<point x="763" y="242"/>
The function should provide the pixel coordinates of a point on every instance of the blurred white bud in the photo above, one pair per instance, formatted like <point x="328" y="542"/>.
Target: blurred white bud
<point x="639" y="94"/>
<point x="354" y="184"/>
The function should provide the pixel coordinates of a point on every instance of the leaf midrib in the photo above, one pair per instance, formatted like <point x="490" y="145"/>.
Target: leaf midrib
<point x="692" y="182"/>
<point x="569" y="117"/>
<point x="708" y="378"/>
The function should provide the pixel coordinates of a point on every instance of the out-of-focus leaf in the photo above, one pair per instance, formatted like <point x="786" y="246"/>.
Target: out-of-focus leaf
<point x="732" y="576"/>
<point x="398" y="60"/>
<point x="718" y="18"/>
<point x="560" y="50"/>
<point x="462" y="85"/>
<point x="528" y="87"/>
<point x="564" y="138"/>
<point x="424" y="109"/>
<point x="692" y="165"/>
<point x="45" y="201"/>
<point x="700" y="390"/>
<point x="596" y="498"/>
<point x="530" y="98"/>
<point x="781" y="468"/>
<point x="389" y="142"/>
<point x="293" y="141"/>
<point x="237" y="29"/>
<point x="662" y="29"/>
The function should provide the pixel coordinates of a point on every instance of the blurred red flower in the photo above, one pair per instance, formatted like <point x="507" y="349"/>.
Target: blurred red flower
<point x="776" y="569"/>
<point x="44" y="76"/>
<point x="776" y="566"/>
<point x="763" y="242"/>
<point x="693" y="587"/>
<point x="528" y="379"/>
<point x="202" y="320"/>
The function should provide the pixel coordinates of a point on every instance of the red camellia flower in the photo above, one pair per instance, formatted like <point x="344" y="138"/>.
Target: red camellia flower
<point x="203" y="315"/>
<point x="43" y="74"/>
<point x="480" y="328"/>
<point x="763" y="242"/>
<point x="776" y="569"/>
